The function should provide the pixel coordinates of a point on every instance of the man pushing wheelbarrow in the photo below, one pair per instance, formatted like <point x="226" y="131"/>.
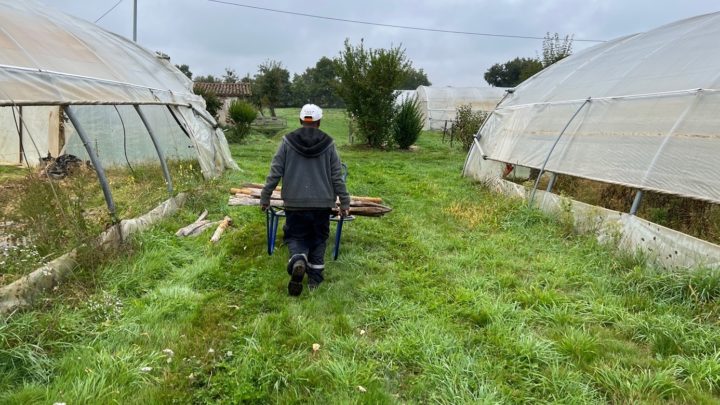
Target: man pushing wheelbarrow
<point x="312" y="181"/>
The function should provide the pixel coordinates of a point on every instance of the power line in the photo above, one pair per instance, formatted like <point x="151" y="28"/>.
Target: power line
<point x="111" y="9"/>
<point x="405" y="27"/>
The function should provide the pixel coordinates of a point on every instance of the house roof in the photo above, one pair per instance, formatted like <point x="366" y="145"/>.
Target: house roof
<point x="226" y="89"/>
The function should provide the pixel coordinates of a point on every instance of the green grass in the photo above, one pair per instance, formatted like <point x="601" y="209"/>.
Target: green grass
<point x="457" y="296"/>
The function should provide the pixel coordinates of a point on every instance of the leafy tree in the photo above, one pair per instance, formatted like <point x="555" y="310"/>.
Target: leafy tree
<point x="317" y="85"/>
<point x="516" y="71"/>
<point x="368" y="80"/>
<point x="230" y="76"/>
<point x="513" y="72"/>
<point x="555" y="48"/>
<point x="271" y="85"/>
<point x="207" y="79"/>
<point x="186" y="70"/>
<point x="414" y="79"/>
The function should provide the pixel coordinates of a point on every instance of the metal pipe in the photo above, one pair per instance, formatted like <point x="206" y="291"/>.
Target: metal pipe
<point x="20" y="135"/>
<point x="95" y="161"/>
<point x="551" y="184"/>
<point x="636" y="202"/>
<point x="163" y="164"/>
<point x="135" y="21"/>
<point x="177" y="121"/>
<point x="62" y="103"/>
<point x="547" y="158"/>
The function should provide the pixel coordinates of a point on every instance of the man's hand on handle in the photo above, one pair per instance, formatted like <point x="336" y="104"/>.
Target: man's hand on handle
<point x="264" y="207"/>
<point x="344" y="212"/>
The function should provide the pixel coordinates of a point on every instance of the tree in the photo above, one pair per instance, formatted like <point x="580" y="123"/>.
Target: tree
<point x="513" y="72"/>
<point x="368" y="80"/>
<point x="555" y="48"/>
<point x="186" y="70"/>
<point x="230" y="76"/>
<point x="271" y="85"/>
<point x="414" y="79"/>
<point x="207" y="79"/>
<point x="317" y="85"/>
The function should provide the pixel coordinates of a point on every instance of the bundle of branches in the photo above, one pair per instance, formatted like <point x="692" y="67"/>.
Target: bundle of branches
<point x="249" y="194"/>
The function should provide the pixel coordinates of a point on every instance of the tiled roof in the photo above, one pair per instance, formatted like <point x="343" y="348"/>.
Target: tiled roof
<point x="226" y="89"/>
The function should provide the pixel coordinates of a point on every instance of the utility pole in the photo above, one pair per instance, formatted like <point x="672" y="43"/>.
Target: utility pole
<point x="134" y="20"/>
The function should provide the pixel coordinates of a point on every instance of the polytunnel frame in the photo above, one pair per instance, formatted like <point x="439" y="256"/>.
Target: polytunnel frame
<point x="94" y="158"/>
<point x="640" y="190"/>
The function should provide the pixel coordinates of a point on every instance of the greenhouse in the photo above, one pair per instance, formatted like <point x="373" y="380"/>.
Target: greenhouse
<point x="404" y="95"/>
<point x="641" y="111"/>
<point x="439" y="104"/>
<point x="68" y="87"/>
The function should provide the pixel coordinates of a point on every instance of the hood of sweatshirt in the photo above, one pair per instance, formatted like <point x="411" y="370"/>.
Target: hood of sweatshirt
<point x="309" y="142"/>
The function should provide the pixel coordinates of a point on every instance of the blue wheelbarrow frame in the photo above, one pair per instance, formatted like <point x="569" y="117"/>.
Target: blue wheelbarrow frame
<point x="272" y="221"/>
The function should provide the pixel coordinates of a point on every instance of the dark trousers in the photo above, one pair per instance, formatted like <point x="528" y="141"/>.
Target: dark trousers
<point x="306" y="232"/>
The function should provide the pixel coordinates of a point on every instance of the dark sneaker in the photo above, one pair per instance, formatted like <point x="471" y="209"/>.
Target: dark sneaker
<point x="296" y="277"/>
<point x="313" y="285"/>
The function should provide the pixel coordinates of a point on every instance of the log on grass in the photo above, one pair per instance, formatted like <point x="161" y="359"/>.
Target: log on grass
<point x="188" y="229"/>
<point x="227" y="221"/>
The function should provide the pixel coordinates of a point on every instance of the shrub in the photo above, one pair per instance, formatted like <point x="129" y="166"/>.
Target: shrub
<point x="212" y="102"/>
<point x="408" y="123"/>
<point x="242" y="114"/>
<point x="467" y="123"/>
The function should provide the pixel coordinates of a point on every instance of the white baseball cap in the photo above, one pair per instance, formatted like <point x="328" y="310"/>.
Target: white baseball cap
<point x="310" y="113"/>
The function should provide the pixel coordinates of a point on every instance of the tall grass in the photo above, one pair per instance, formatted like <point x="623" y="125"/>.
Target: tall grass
<point x="458" y="296"/>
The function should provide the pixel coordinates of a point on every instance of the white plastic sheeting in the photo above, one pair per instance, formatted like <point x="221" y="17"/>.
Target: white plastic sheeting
<point x="49" y="58"/>
<point x="403" y="95"/>
<point x="35" y="122"/>
<point x="126" y="140"/>
<point x="652" y="120"/>
<point x="439" y="104"/>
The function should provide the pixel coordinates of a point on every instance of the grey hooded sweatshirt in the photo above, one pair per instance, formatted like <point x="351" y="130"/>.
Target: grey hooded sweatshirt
<point x="310" y="170"/>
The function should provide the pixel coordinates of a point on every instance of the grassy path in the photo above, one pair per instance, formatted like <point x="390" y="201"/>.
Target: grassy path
<point x="458" y="296"/>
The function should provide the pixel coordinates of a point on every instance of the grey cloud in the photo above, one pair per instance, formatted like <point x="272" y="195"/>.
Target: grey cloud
<point x="209" y="36"/>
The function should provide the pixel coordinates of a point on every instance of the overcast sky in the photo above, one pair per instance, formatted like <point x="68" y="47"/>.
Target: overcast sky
<point x="209" y="36"/>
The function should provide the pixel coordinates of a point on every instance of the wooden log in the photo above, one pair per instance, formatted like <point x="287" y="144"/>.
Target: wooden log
<point x="376" y="200"/>
<point x="201" y="227"/>
<point x="247" y="201"/>
<point x="253" y="192"/>
<point x="257" y="185"/>
<point x="366" y="209"/>
<point x="253" y="189"/>
<point x="227" y="221"/>
<point x="186" y="230"/>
